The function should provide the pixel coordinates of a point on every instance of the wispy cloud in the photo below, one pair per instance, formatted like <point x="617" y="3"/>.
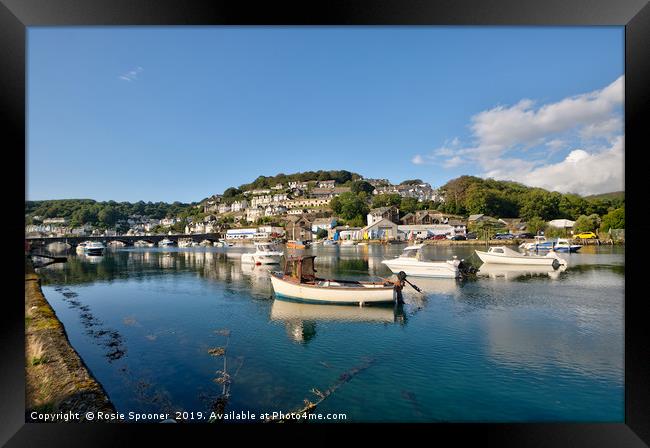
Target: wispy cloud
<point x="131" y="75"/>
<point x="516" y="142"/>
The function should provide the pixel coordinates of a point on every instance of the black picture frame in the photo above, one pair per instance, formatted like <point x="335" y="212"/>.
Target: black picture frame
<point x="16" y="15"/>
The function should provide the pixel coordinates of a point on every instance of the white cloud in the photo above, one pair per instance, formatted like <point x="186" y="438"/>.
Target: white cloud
<point x="418" y="160"/>
<point x="580" y="172"/>
<point x="516" y="142"/>
<point x="503" y="128"/>
<point x="605" y="128"/>
<point x="131" y="75"/>
<point x="453" y="162"/>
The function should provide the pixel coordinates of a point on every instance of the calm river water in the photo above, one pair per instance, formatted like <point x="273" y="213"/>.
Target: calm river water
<point x="506" y="347"/>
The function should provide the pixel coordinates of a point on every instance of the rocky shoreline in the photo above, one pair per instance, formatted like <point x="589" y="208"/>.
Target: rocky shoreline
<point x="57" y="380"/>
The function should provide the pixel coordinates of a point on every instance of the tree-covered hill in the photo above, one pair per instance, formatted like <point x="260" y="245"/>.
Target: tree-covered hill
<point x="468" y="195"/>
<point x="340" y="176"/>
<point x="88" y="211"/>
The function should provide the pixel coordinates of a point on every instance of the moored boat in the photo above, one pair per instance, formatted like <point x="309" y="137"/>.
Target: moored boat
<point x="329" y="243"/>
<point x="165" y="242"/>
<point x="564" y="245"/>
<point x="91" y="248"/>
<point x="410" y="261"/>
<point x="296" y="244"/>
<point x="505" y="255"/>
<point x="298" y="282"/>
<point x="142" y="243"/>
<point x="540" y="243"/>
<point x="265" y="253"/>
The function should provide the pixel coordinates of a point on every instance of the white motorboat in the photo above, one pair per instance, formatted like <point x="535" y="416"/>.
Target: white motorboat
<point x="411" y="262"/>
<point x="559" y="245"/>
<point x="345" y="243"/>
<point x="265" y="253"/>
<point x="142" y="243"/>
<point x="564" y="245"/>
<point x="223" y="243"/>
<point x="91" y="248"/>
<point x="540" y="243"/>
<point x="505" y="255"/>
<point x="298" y="282"/>
<point x="166" y="242"/>
<point x="205" y="243"/>
<point x="329" y="243"/>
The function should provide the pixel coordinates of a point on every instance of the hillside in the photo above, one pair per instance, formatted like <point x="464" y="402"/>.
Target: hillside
<point x="340" y="176"/>
<point x="612" y="196"/>
<point x="467" y="195"/>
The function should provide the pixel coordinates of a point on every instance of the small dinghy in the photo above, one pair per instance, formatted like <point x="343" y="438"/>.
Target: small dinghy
<point x="298" y="282"/>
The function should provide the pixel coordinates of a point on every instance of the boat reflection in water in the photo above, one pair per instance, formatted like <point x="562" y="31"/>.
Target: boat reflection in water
<point x="432" y="286"/>
<point x="512" y="272"/>
<point x="301" y="318"/>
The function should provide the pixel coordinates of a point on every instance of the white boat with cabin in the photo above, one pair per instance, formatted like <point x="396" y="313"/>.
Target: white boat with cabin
<point x="166" y="242"/>
<point x="505" y="255"/>
<point x="91" y="248"/>
<point x="265" y="253"/>
<point x="142" y="243"/>
<point x="411" y="262"/>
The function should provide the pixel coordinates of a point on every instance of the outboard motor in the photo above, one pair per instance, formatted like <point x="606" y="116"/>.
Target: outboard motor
<point x="466" y="269"/>
<point x="399" y="285"/>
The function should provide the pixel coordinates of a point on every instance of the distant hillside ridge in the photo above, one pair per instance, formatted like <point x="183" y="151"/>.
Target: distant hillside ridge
<point x="614" y="195"/>
<point x="339" y="176"/>
<point x="470" y="195"/>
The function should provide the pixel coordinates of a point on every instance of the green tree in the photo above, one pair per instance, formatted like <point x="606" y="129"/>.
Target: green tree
<point x="321" y="233"/>
<point x="361" y="185"/>
<point x="585" y="223"/>
<point x="540" y="203"/>
<point x="408" y="205"/>
<point x="386" y="200"/>
<point x="350" y="206"/>
<point x="536" y="225"/>
<point x="613" y="220"/>
<point x="231" y="192"/>
<point x="109" y="216"/>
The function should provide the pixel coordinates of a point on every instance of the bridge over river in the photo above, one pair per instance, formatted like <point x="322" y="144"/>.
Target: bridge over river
<point x="126" y="239"/>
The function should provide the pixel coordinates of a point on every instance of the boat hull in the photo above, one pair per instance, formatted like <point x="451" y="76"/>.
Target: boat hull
<point x="302" y="292"/>
<point x="423" y="269"/>
<point x="523" y="260"/>
<point x="261" y="258"/>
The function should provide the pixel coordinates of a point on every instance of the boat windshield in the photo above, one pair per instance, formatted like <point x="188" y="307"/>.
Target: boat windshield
<point x="410" y="253"/>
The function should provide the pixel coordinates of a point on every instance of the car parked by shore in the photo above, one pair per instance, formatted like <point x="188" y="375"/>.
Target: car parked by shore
<point x="524" y="235"/>
<point x="586" y="236"/>
<point x="471" y="236"/>
<point x="504" y="236"/>
<point x="457" y="238"/>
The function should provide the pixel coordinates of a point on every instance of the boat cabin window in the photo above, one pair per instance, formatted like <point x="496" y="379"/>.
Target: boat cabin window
<point x="497" y="250"/>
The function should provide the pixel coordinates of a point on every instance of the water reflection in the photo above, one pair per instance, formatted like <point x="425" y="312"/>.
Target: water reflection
<point x="550" y="348"/>
<point x="301" y="318"/>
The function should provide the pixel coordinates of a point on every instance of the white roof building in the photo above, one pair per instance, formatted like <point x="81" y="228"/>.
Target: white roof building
<point x="561" y="223"/>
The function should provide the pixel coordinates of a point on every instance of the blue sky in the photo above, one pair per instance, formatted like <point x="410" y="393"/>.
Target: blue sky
<point x="180" y="113"/>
